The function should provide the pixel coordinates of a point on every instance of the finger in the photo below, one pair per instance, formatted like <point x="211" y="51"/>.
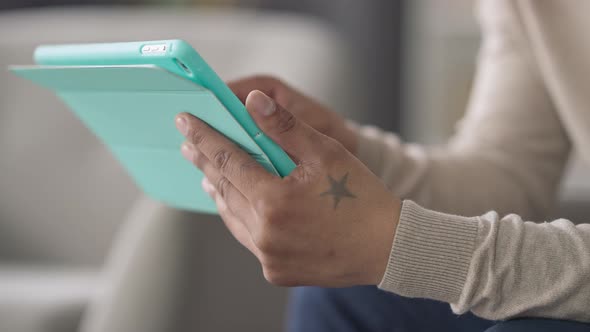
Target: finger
<point x="271" y="86"/>
<point x="294" y="136"/>
<point x="238" y="204"/>
<point x="231" y="161"/>
<point x="235" y="226"/>
<point x="281" y="92"/>
<point x="225" y="188"/>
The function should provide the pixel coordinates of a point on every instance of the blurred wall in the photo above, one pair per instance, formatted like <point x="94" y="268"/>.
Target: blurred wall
<point x="441" y="43"/>
<point x="374" y="30"/>
<point x="13" y="4"/>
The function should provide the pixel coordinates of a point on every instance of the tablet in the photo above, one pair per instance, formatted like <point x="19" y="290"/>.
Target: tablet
<point x="128" y="95"/>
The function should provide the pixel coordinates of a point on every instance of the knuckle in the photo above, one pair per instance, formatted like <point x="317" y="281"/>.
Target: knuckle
<point x="278" y="278"/>
<point x="264" y="242"/>
<point x="223" y="186"/>
<point x="196" y="136"/>
<point x="285" y="122"/>
<point x="221" y="159"/>
<point x="269" y="211"/>
<point x="261" y="204"/>
<point x="272" y="204"/>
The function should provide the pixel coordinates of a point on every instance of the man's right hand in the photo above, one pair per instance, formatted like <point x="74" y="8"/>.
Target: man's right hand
<point x="304" y="108"/>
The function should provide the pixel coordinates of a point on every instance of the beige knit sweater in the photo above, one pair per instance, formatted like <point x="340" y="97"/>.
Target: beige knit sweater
<point x="530" y="104"/>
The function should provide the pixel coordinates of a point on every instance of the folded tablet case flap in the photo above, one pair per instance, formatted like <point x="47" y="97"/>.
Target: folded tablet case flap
<point x="132" y="109"/>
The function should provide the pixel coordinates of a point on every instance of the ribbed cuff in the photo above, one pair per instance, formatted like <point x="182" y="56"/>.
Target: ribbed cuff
<point x="431" y="254"/>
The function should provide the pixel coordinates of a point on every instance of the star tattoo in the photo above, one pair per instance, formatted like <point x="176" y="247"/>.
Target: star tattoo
<point x="338" y="189"/>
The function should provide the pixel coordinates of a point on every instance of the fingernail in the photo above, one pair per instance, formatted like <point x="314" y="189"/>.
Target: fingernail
<point x="261" y="103"/>
<point x="186" y="151"/>
<point x="181" y="125"/>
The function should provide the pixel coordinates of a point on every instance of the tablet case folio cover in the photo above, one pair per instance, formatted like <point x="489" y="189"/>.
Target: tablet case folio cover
<point x="132" y="110"/>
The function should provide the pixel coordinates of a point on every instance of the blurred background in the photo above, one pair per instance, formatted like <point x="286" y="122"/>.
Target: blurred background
<point x="82" y="250"/>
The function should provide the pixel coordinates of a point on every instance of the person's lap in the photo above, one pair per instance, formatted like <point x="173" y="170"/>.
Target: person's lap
<point x="539" y="325"/>
<point x="366" y="308"/>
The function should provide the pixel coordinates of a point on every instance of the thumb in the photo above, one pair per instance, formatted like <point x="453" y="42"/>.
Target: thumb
<point x="296" y="137"/>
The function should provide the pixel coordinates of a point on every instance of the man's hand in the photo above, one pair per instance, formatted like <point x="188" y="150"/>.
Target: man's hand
<point x="331" y="222"/>
<point x="304" y="108"/>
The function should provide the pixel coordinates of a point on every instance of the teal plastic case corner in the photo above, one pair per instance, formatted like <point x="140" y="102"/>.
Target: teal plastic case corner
<point x="129" y="97"/>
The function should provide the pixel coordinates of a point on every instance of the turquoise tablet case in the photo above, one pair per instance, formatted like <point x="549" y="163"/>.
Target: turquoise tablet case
<point x="131" y="105"/>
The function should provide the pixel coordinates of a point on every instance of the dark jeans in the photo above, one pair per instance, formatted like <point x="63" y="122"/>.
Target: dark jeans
<point x="369" y="309"/>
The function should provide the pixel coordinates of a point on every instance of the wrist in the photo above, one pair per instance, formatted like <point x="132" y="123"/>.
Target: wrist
<point x="385" y="237"/>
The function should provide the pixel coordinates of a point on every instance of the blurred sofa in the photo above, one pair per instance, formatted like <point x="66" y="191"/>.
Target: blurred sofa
<point x="80" y="247"/>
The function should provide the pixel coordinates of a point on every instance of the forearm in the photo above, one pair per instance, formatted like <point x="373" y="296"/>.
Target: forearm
<point x="469" y="180"/>
<point x="510" y="149"/>
<point x="498" y="268"/>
